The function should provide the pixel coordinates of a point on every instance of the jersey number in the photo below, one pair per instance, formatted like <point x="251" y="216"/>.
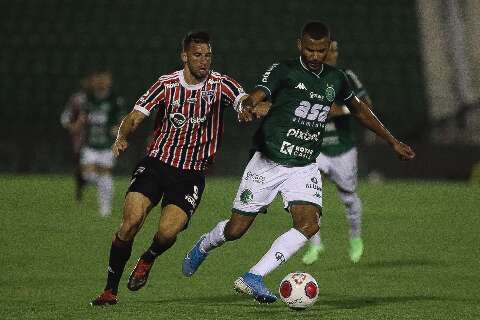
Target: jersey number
<point x="312" y="112"/>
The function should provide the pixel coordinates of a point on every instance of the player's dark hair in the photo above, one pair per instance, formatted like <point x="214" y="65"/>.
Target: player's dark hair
<point x="315" y="29"/>
<point x="195" y="37"/>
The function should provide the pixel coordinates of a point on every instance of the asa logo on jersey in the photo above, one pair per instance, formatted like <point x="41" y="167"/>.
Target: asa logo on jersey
<point x="296" y="151"/>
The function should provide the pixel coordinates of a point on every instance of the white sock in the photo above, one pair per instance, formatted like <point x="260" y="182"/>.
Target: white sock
<point x="105" y="192"/>
<point x="281" y="250"/>
<point x="353" y="204"/>
<point x="316" y="240"/>
<point x="215" y="238"/>
<point x="90" y="177"/>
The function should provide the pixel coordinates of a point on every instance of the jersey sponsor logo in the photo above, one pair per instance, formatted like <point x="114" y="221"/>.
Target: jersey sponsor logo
<point x="246" y="196"/>
<point x="301" y="86"/>
<point x="192" y="100"/>
<point x="211" y="81"/>
<point x="208" y="96"/>
<point x="296" y="151"/>
<point x="268" y="72"/>
<point x="313" y="186"/>
<point x="192" y="198"/>
<point x="179" y="120"/>
<point x="255" y="177"/>
<point x="171" y="85"/>
<point x="330" y="93"/>
<point x="314" y="95"/>
<point x="303" y="135"/>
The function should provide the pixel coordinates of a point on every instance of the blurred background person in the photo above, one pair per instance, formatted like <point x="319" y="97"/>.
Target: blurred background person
<point x="338" y="161"/>
<point x="92" y="117"/>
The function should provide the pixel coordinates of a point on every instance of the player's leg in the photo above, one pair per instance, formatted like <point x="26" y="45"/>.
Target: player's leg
<point x="182" y="196"/>
<point x="104" y="166"/>
<point x="257" y="190"/>
<point x="303" y="191"/>
<point x="78" y="176"/>
<point x="315" y="246"/>
<point x="226" y="230"/>
<point x="344" y="175"/>
<point x="136" y="208"/>
<point x="87" y="165"/>
<point x="142" y="195"/>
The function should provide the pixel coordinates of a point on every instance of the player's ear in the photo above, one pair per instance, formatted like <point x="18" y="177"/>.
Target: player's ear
<point x="299" y="45"/>
<point x="183" y="56"/>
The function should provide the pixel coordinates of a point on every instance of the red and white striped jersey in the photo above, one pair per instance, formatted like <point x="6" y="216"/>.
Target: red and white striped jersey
<point x="189" y="121"/>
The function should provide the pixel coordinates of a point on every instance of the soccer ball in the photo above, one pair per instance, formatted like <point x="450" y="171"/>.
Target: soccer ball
<point x="298" y="290"/>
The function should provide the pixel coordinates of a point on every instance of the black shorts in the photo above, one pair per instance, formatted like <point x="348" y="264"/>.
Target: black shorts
<point x="156" y="180"/>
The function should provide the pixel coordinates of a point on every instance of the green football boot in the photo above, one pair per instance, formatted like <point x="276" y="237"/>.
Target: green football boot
<point x="356" y="249"/>
<point x="312" y="254"/>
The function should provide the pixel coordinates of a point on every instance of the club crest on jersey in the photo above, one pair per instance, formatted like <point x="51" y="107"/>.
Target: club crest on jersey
<point x="208" y="96"/>
<point x="177" y="119"/>
<point x="330" y="93"/>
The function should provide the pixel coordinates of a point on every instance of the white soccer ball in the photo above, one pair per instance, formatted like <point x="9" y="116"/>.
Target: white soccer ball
<point x="298" y="290"/>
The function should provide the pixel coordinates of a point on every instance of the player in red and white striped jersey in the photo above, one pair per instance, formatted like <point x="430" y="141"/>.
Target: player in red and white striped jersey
<point x="188" y="130"/>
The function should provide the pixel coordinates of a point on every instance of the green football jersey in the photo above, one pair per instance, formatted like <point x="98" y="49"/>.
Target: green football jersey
<point x="103" y="115"/>
<point x="291" y="133"/>
<point x="339" y="133"/>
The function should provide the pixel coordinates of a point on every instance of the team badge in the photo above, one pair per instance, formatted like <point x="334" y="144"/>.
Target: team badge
<point x="330" y="93"/>
<point x="208" y="96"/>
<point x="246" y="196"/>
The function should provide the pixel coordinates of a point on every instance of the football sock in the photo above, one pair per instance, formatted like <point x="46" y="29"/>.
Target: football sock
<point x="105" y="192"/>
<point x="215" y="238"/>
<point x="90" y="177"/>
<point x="157" y="247"/>
<point x="281" y="250"/>
<point x="316" y="240"/>
<point x="353" y="205"/>
<point x="120" y="252"/>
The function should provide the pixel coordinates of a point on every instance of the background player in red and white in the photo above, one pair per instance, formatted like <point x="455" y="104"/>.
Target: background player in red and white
<point x="188" y="129"/>
<point x="338" y="161"/>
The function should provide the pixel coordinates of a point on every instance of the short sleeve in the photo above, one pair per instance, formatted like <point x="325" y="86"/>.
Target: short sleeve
<point x="150" y="99"/>
<point x="346" y="92"/>
<point x="272" y="79"/>
<point x="232" y="92"/>
<point x="356" y="84"/>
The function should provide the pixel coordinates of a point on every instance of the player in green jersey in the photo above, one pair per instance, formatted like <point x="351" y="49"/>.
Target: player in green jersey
<point x="98" y="111"/>
<point x="338" y="161"/>
<point x="302" y="91"/>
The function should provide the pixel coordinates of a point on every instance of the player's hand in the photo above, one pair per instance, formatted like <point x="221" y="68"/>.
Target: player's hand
<point x="403" y="151"/>
<point x="119" y="146"/>
<point x="245" y="115"/>
<point x="261" y="109"/>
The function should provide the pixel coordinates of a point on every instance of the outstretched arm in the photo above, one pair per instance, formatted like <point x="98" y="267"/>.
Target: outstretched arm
<point x="129" y="124"/>
<point x="366" y="117"/>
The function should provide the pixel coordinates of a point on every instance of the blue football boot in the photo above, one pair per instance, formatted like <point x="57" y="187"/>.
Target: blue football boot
<point x="253" y="285"/>
<point x="193" y="259"/>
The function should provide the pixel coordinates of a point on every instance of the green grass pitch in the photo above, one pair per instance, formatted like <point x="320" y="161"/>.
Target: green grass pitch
<point x="421" y="261"/>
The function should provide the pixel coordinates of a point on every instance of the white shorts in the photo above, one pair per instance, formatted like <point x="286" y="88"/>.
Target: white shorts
<point x="263" y="179"/>
<point x="341" y="170"/>
<point x="103" y="157"/>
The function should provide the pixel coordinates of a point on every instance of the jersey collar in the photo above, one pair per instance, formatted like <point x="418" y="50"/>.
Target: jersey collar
<point x="190" y="86"/>
<point x="308" y="70"/>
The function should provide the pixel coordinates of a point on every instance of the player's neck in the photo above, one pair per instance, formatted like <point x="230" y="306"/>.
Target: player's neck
<point x="190" y="78"/>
